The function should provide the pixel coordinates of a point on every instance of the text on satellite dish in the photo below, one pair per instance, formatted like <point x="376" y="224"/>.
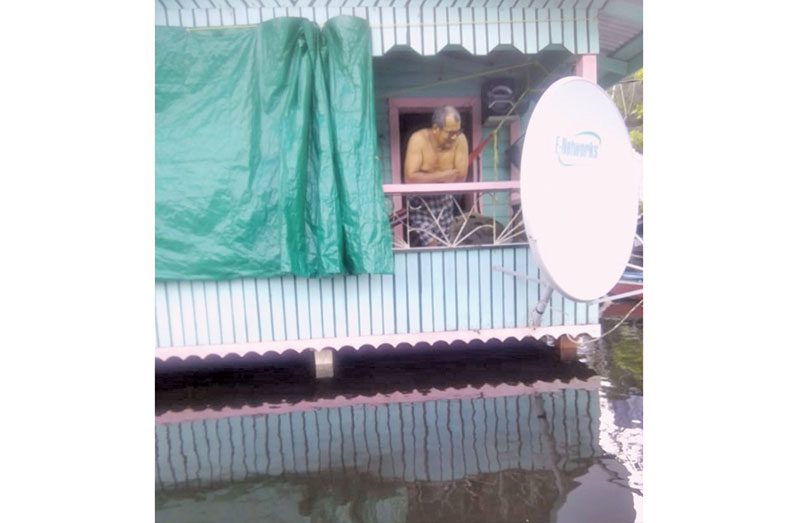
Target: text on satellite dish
<point x="577" y="149"/>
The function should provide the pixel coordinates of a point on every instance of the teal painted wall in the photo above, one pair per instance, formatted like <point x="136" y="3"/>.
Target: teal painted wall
<point x="496" y="167"/>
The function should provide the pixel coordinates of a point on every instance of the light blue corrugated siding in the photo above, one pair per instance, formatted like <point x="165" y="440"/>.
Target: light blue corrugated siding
<point x="327" y="307"/>
<point x="430" y="291"/>
<point x="450" y="298"/>
<point x="411" y="283"/>
<point x="438" y="292"/>
<point x="483" y="281"/>
<point x="425" y="291"/>
<point x="440" y="440"/>
<point x="555" y="305"/>
<point x="521" y="299"/>
<point x="508" y="259"/>
<point x="308" y="299"/>
<point x="163" y="332"/>
<point x="426" y="29"/>
<point x="497" y="289"/>
<point x="473" y="290"/>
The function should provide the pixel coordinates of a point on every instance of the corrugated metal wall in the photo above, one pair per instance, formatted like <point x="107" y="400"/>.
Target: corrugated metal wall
<point x="430" y="291"/>
<point x="426" y="27"/>
<point x="440" y="440"/>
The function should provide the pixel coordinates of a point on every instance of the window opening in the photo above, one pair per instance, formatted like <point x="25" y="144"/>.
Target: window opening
<point x="412" y="121"/>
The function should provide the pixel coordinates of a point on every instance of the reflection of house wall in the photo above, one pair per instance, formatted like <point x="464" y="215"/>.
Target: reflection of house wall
<point x="442" y="440"/>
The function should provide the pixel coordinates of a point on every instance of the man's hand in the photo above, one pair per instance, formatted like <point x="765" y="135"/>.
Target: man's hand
<point x="451" y="175"/>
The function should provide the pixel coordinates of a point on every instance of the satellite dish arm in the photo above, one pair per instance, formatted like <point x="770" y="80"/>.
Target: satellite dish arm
<point x="537" y="313"/>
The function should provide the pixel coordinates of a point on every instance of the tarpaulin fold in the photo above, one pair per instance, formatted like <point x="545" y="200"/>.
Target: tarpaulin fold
<point x="266" y="152"/>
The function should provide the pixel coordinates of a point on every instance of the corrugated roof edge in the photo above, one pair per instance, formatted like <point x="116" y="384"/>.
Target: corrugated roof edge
<point x="380" y="342"/>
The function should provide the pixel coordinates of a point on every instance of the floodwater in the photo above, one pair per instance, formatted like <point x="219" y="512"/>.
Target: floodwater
<point x="463" y="434"/>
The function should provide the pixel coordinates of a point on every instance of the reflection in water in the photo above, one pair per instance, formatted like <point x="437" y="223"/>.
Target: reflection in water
<point x="421" y="439"/>
<point x="619" y="358"/>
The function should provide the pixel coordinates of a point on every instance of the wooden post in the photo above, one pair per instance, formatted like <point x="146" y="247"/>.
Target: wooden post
<point x="587" y="67"/>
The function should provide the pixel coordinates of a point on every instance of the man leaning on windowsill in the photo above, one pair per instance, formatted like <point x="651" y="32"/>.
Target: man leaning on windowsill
<point x="438" y="154"/>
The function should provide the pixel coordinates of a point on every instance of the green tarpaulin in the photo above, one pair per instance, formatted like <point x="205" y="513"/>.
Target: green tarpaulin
<point x="266" y="152"/>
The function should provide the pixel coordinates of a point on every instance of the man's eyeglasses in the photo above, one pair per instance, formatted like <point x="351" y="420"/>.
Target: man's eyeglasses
<point x="453" y="134"/>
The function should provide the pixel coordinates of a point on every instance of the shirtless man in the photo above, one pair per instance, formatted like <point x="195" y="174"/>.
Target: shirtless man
<point x="435" y="155"/>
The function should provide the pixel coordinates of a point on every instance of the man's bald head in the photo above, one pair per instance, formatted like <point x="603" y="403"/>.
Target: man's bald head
<point x="445" y="127"/>
<point x="441" y="113"/>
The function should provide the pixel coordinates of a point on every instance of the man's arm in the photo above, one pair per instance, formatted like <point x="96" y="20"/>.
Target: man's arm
<point x="413" y="161"/>
<point x="461" y="158"/>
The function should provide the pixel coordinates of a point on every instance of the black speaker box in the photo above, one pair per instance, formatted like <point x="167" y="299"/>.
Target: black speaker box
<point x="498" y="97"/>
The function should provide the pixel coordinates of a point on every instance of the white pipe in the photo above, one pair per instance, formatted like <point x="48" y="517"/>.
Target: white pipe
<point x="540" y="308"/>
<point x="516" y="274"/>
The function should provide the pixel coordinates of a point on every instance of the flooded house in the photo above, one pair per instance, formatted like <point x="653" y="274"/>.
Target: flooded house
<point x="330" y="93"/>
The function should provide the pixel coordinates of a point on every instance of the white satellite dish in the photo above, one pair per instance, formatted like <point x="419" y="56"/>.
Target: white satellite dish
<point x="579" y="189"/>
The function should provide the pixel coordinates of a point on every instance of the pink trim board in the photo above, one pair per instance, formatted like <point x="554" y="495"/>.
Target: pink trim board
<point x="485" y="391"/>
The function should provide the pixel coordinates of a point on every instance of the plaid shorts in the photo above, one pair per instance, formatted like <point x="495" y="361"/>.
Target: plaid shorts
<point x="421" y="218"/>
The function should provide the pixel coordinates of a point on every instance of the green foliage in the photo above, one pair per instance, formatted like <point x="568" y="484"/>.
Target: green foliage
<point x="620" y="357"/>
<point x="636" y="136"/>
<point x="637" y="112"/>
<point x="627" y="362"/>
<point x="628" y="97"/>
